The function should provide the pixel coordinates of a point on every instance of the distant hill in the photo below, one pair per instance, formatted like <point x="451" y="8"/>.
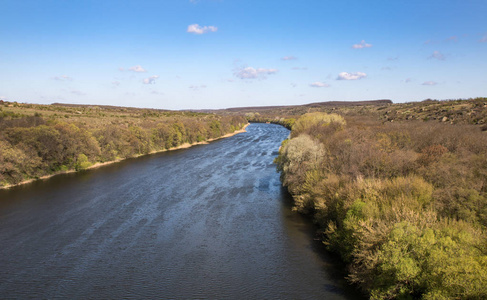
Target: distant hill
<point x="108" y="107"/>
<point x="291" y="107"/>
<point x="240" y="109"/>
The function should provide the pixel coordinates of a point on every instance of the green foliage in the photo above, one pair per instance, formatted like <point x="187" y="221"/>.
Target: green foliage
<point x="17" y="164"/>
<point x="38" y="140"/>
<point x="298" y="156"/>
<point x="82" y="162"/>
<point x="405" y="205"/>
<point x="312" y="123"/>
<point x="443" y="260"/>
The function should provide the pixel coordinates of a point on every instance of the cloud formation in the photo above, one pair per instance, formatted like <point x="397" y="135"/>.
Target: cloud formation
<point x="197" y="87"/>
<point x="289" y="58"/>
<point x="437" y="55"/>
<point x="251" y="73"/>
<point x="63" y="78"/>
<point x="77" y="92"/>
<point x="150" y="80"/>
<point x="429" y="83"/>
<point x="351" y="76"/>
<point x="361" y="45"/>
<point x="137" y="69"/>
<point x="197" y="29"/>
<point x="483" y="39"/>
<point x="319" y="84"/>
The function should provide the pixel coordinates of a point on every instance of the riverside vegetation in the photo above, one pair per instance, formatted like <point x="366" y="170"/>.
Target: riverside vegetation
<point x="399" y="191"/>
<point x="404" y="203"/>
<point x="41" y="140"/>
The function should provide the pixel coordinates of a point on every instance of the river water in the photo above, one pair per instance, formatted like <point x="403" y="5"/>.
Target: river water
<point x="208" y="222"/>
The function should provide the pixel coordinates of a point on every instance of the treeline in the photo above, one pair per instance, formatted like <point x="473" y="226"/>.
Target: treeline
<point x="287" y="122"/>
<point x="404" y="204"/>
<point x="33" y="145"/>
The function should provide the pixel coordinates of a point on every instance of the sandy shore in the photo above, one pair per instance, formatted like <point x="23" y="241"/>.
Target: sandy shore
<point x="97" y="165"/>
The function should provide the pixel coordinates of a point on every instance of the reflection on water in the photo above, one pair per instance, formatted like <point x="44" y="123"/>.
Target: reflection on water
<point x="211" y="222"/>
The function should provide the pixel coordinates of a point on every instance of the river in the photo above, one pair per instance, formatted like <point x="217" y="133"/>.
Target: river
<point x="208" y="222"/>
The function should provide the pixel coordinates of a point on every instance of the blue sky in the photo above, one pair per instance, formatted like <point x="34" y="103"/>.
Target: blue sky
<point x="182" y="54"/>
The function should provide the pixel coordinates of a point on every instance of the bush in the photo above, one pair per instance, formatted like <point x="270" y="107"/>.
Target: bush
<point x="317" y="121"/>
<point x="82" y="162"/>
<point x="297" y="157"/>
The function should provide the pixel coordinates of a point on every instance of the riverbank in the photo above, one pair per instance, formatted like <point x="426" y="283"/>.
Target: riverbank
<point x="101" y="164"/>
<point x="377" y="190"/>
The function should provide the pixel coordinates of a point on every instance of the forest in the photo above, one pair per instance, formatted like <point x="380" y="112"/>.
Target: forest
<point x="399" y="192"/>
<point x="40" y="140"/>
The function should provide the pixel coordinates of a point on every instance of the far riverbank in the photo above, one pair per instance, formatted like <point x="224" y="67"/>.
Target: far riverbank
<point x="101" y="164"/>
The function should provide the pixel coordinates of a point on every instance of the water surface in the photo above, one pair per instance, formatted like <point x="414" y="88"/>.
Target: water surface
<point x="209" y="222"/>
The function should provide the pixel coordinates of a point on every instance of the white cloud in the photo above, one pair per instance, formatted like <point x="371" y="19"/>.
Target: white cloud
<point x="319" y="84"/>
<point x="430" y="83"/>
<point x="437" y="55"/>
<point x="408" y="80"/>
<point x="453" y="38"/>
<point x="150" y="80"/>
<point x="197" y="29"/>
<point x="197" y="87"/>
<point x="137" y="69"/>
<point x="77" y="92"/>
<point x="251" y="73"/>
<point x="361" y="45"/>
<point x="289" y="58"/>
<point x="483" y="39"/>
<point x="116" y="83"/>
<point x="121" y="69"/>
<point x="351" y="76"/>
<point x="63" y="78"/>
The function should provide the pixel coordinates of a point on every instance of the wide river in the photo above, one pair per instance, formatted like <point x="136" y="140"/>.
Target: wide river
<point x="208" y="222"/>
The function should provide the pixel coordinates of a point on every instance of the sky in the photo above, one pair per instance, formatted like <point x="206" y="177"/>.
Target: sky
<point x="209" y="54"/>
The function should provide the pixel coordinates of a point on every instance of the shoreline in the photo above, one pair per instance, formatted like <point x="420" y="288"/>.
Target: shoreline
<point x="101" y="164"/>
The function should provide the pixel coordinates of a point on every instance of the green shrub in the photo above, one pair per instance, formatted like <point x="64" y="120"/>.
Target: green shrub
<point x="314" y="122"/>
<point x="82" y="162"/>
<point x="297" y="157"/>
